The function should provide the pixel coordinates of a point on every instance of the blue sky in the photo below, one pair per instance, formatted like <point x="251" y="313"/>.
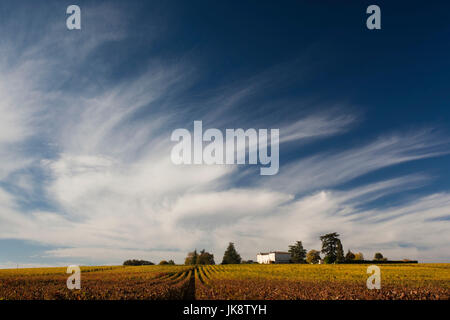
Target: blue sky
<point x="86" y="118"/>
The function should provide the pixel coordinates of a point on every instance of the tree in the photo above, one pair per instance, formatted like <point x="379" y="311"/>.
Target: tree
<point x="135" y="262"/>
<point x="231" y="256"/>
<point x="313" y="256"/>
<point x="329" y="260"/>
<point x="378" y="256"/>
<point x="163" y="262"/>
<point x="298" y="253"/>
<point x="349" y="256"/>
<point x="339" y="252"/>
<point x="330" y="247"/>
<point x="205" y="258"/>
<point x="171" y="262"/>
<point x="191" y="258"/>
<point x="359" y="256"/>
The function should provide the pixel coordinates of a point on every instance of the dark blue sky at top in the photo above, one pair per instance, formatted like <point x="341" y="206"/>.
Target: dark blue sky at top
<point x="395" y="79"/>
<point x="399" y="71"/>
<point x="396" y="75"/>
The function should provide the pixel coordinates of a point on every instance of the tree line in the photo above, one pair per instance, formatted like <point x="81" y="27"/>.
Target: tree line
<point x="134" y="262"/>
<point x="231" y="256"/>
<point x="332" y="250"/>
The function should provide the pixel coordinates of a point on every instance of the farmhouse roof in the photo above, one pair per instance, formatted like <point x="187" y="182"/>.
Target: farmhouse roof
<point x="264" y="253"/>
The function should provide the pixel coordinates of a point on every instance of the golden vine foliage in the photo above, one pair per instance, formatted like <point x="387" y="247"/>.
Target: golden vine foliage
<point x="280" y="282"/>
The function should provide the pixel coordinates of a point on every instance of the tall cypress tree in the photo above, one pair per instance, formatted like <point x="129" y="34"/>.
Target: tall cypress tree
<point x="231" y="256"/>
<point x="298" y="253"/>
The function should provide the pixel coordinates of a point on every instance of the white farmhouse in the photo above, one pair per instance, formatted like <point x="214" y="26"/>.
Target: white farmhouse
<point x="273" y="257"/>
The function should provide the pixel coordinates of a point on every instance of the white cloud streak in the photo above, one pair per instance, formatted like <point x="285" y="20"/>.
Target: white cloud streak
<point x="329" y="169"/>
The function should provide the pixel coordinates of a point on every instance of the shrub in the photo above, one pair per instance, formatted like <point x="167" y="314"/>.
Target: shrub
<point x="378" y="256"/>
<point x="313" y="256"/>
<point x="135" y="262"/>
<point x="329" y="260"/>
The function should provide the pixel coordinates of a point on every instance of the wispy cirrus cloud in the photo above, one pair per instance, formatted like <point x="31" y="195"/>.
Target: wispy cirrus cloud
<point x="328" y="169"/>
<point x="317" y="126"/>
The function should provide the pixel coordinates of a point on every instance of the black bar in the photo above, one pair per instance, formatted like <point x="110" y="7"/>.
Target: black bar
<point x="178" y="309"/>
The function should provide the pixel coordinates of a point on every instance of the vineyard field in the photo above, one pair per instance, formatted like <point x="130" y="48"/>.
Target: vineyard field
<point x="222" y="282"/>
